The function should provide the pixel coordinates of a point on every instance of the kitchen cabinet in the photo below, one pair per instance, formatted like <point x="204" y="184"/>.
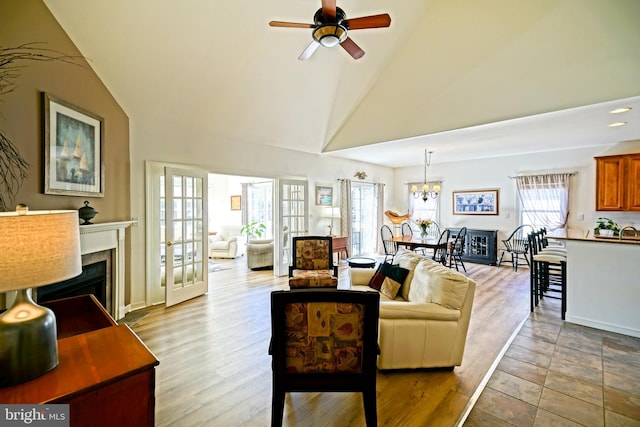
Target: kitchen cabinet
<point x="480" y="246"/>
<point x="618" y="182"/>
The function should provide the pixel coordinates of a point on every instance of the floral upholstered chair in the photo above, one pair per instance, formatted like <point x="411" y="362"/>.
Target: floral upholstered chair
<point x="324" y="340"/>
<point x="312" y="265"/>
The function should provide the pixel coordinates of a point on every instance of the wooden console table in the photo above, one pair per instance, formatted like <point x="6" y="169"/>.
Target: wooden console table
<point x="340" y="244"/>
<point x="105" y="373"/>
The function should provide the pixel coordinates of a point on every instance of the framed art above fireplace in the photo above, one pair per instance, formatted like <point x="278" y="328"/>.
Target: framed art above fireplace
<point x="73" y="145"/>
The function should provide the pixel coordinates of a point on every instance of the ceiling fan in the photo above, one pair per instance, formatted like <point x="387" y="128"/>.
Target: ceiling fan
<point x="331" y="27"/>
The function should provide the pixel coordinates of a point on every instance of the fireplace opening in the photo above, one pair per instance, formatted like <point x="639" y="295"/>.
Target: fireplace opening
<point x="92" y="280"/>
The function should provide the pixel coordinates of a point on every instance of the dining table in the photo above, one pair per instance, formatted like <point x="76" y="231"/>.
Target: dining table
<point x="413" y="242"/>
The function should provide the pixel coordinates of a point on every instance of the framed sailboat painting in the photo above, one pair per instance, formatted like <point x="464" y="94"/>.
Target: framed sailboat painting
<point x="72" y="149"/>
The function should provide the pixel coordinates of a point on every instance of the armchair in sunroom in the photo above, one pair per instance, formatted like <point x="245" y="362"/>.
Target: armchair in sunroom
<point x="312" y="263"/>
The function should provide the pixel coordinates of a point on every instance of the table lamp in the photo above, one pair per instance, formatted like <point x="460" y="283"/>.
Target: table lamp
<point x="36" y="248"/>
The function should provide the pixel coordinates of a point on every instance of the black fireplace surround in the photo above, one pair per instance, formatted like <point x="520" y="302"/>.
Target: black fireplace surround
<point x="92" y="280"/>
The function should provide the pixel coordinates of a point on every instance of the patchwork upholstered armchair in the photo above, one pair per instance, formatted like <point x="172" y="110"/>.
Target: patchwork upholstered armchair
<point x="324" y="340"/>
<point x="312" y="264"/>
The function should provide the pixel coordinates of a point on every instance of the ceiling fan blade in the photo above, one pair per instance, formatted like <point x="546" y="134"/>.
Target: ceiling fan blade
<point x="309" y="51"/>
<point x="290" y="24"/>
<point x="373" y="21"/>
<point x="329" y="8"/>
<point x="352" y="48"/>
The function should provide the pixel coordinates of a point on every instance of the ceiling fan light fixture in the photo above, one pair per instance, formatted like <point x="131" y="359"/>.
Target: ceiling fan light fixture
<point x="330" y="35"/>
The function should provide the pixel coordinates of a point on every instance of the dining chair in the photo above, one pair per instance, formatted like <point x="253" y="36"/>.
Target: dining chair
<point x="440" y="253"/>
<point x="517" y="246"/>
<point x="458" y="248"/>
<point x="388" y="244"/>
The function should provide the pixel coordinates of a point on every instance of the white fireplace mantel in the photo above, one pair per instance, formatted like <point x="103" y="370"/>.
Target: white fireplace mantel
<point x="109" y="236"/>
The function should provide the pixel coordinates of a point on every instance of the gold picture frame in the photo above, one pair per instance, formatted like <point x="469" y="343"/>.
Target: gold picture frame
<point x="236" y="203"/>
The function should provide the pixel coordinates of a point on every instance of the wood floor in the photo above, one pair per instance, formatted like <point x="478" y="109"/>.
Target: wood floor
<point x="215" y="371"/>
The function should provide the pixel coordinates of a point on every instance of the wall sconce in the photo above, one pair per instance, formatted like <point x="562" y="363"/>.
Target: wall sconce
<point x="360" y="175"/>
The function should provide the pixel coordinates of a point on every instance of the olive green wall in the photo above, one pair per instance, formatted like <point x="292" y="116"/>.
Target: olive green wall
<point x="27" y="21"/>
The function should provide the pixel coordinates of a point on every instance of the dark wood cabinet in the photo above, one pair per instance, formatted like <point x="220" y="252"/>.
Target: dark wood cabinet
<point x="105" y="373"/>
<point x="481" y="246"/>
<point x="618" y="182"/>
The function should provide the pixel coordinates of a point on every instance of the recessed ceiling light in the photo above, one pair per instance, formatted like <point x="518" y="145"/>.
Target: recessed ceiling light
<point x="616" y="124"/>
<point x="620" y="110"/>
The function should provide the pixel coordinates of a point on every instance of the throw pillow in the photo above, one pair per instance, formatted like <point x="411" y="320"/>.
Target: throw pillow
<point x="388" y="279"/>
<point x="437" y="284"/>
<point x="406" y="259"/>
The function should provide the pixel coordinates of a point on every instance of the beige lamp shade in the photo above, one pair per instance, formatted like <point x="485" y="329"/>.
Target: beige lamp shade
<point x="38" y="248"/>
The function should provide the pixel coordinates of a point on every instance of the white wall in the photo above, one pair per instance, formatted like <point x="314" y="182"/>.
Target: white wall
<point x="222" y="156"/>
<point x="495" y="173"/>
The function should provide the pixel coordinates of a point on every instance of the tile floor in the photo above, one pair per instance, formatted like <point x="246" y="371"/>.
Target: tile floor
<point x="556" y="373"/>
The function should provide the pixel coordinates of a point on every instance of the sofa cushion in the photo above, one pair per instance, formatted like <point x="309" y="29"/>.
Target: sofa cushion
<point x="388" y="279"/>
<point x="437" y="284"/>
<point x="407" y="259"/>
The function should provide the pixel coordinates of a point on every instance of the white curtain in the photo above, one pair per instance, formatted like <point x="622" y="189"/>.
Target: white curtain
<point x="379" y="215"/>
<point x="345" y="208"/>
<point x="544" y="199"/>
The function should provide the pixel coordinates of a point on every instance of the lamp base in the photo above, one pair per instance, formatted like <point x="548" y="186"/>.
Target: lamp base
<point x="30" y="341"/>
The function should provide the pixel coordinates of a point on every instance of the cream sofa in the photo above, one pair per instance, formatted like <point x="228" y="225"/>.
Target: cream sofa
<point x="228" y="242"/>
<point x="425" y="325"/>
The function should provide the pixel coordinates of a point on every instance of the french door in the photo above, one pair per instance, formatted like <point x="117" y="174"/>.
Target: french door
<point x="292" y="213"/>
<point x="364" y="232"/>
<point x="184" y="249"/>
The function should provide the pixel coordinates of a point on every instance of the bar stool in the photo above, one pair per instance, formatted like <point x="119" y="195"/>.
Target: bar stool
<point x="548" y="273"/>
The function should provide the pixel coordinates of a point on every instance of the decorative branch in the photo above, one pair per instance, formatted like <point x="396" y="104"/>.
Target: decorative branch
<point x="10" y="57"/>
<point x="13" y="171"/>
<point x="13" y="167"/>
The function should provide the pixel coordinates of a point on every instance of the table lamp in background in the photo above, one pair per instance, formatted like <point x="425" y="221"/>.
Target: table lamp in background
<point x="37" y="248"/>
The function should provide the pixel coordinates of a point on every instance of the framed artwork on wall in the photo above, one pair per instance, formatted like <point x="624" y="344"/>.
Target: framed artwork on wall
<point x="73" y="140"/>
<point x="475" y="202"/>
<point x="324" y="195"/>
<point x="236" y="203"/>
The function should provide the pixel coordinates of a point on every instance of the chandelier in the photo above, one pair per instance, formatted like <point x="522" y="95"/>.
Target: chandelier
<point x="426" y="192"/>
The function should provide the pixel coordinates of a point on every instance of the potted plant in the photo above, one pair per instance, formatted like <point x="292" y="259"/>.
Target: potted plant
<point x="254" y="229"/>
<point x="607" y="227"/>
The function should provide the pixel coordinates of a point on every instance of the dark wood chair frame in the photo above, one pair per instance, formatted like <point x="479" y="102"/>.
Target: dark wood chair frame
<point x="390" y="248"/>
<point x="293" y="267"/>
<point x="364" y="382"/>
<point x="458" y="248"/>
<point x="517" y="245"/>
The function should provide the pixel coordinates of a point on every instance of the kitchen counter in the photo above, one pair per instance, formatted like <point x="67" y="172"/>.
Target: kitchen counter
<point x="578" y="235"/>
<point x="603" y="283"/>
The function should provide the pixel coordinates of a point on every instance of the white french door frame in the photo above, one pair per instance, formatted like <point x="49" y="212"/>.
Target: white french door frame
<point x="154" y="237"/>
<point x="291" y="210"/>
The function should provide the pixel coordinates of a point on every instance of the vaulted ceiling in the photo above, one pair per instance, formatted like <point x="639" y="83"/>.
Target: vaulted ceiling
<point x="464" y="78"/>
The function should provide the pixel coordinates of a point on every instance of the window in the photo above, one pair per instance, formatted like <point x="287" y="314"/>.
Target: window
<point x="364" y="233"/>
<point x="544" y="200"/>
<point x="259" y="205"/>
